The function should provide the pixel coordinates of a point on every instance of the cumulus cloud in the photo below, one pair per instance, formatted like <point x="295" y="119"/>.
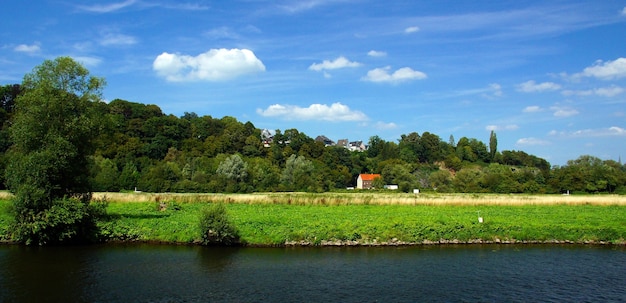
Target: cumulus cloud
<point x="502" y="127"/>
<point x="30" y="49"/>
<point x="336" y="112"/>
<point x="531" y="86"/>
<point x="532" y="109"/>
<point x="375" y="53"/>
<point x="531" y="141"/>
<point x="400" y="75"/>
<point x="213" y="65"/>
<point x="606" y="70"/>
<point x="341" y="62"/>
<point x="563" y="112"/>
<point x="411" y="29"/>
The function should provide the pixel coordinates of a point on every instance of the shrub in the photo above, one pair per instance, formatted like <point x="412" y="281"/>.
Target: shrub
<point x="216" y="228"/>
<point x="66" y="221"/>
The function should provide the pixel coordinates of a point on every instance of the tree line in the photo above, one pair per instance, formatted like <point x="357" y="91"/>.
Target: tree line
<point x="137" y="146"/>
<point x="59" y="142"/>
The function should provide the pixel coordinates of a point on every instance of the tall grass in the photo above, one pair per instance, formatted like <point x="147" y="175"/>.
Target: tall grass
<point x="369" y="198"/>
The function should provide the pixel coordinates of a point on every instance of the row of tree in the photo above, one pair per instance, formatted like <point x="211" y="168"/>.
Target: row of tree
<point x="137" y="146"/>
<point x="59" y="142"/>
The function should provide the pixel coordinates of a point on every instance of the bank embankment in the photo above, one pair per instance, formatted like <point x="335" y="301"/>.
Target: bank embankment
<point x="316" y="223"/>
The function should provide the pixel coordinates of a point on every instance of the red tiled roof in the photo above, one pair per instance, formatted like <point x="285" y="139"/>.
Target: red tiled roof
<point x="369" y="177"/>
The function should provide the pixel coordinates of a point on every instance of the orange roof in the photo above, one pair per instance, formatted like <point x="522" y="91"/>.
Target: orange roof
<point x="369" y="177"/>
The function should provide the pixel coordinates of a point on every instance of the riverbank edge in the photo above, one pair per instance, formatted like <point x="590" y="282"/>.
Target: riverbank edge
<point x="349" y="243"/>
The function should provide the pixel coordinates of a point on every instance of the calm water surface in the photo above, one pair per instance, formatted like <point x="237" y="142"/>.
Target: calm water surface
<point x="153" y="273"/>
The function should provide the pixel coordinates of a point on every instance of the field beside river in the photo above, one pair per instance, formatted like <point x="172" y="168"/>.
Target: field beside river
<point x="366" y="218"/>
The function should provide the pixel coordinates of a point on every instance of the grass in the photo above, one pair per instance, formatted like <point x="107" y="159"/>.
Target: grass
<point x="368" y="218"/>
<point x="370" y="198"/>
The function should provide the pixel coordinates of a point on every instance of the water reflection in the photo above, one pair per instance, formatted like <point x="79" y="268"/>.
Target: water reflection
<point x="163" y="273"/>
<point x="35" y="274"/>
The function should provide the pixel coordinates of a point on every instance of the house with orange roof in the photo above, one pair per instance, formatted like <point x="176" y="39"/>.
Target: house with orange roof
<point x="364" y="181"/>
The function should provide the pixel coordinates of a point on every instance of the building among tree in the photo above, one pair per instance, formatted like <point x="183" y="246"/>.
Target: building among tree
<point x="325" y="140"/>
<point x="365" y="181"/>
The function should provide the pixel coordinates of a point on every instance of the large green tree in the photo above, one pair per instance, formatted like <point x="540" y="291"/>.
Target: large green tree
<point x="52" y="131"/>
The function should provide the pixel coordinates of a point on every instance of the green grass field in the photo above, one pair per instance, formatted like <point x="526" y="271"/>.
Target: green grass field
<point x="316" y="223"/>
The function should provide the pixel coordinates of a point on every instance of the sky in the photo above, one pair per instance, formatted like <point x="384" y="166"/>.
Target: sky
<point x="549" y="77"/>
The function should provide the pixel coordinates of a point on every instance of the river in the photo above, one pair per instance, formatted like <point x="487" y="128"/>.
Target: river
<point x="168" y="273"/>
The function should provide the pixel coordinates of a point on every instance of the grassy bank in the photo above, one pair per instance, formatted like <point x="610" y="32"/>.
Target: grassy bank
<point x="332" y="219"/>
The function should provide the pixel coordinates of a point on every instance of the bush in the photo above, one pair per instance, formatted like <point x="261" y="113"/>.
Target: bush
<point x="66" y="221"/>
<point x="216" y="228"/>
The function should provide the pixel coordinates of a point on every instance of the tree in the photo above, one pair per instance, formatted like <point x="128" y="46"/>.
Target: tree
<point x="53" y="131"/>
<point x="297" y="174"/>
<point x="216" y="227"/>
<point x="493" y="145"/>
<point x="234" y="171"/>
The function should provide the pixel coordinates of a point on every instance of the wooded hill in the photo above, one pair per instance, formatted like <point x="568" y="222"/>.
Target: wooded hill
<point x="140" y="147"/>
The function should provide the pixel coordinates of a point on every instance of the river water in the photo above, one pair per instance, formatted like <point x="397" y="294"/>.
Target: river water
<point x="166" y="273"/>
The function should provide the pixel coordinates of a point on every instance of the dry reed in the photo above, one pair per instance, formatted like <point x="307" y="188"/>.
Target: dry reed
<point x="368" y="198"/>
<point x="360" y="198"/>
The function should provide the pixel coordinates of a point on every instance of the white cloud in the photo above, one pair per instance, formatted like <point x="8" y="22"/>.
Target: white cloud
<point x="375" y="53"/>
<point x="531" y="141"/>
<point x="624" y="11"/>
<point x="341" y="62"/>
<point x="400" y="75"/>
<point x="222" y="32"/>
<point x="107" y="8"/>
<point x="385" y="126"/>
<point x="560" y="111"/>
<point x="502" y="127"/>
<point x="613" y="131"/>
<point x="113" y="7"/>
<point x="299" y="6"/>
<point x="496" y="89"/>
<point x="617" y="130"/>
<point x="531" y="86"/>
<point x="532" y="109"/>
<point x="214" y="65"/>
<point x="411" y="29"/>
<point x="606" y="70"/>
<point x="336" y="112"/>
<point x="611" y="91"/>
<point x="579" y="93"/>
<point x="117" y="39"/>
<point x="88" y="61"/>
<point x="30" y="49"/>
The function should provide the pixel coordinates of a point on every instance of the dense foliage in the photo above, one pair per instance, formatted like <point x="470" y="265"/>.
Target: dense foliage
<point x="51" y="132"/>
<point x="215" y="226"/>
<point x="139" y="147"/>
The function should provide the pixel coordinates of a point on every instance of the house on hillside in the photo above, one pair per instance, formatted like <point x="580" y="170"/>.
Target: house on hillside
<point x="325" y="140"/>
<point x="364" y="181"/>
<point x="266" y="137"/>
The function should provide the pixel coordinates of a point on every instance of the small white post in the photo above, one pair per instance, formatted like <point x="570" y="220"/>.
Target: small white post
<point x="480" y="219"/>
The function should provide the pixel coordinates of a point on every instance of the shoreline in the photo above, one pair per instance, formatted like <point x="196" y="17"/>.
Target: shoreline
<point x="357" y="244"/>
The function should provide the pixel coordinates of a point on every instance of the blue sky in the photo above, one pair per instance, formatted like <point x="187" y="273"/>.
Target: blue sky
<point x="548" y="76"/>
